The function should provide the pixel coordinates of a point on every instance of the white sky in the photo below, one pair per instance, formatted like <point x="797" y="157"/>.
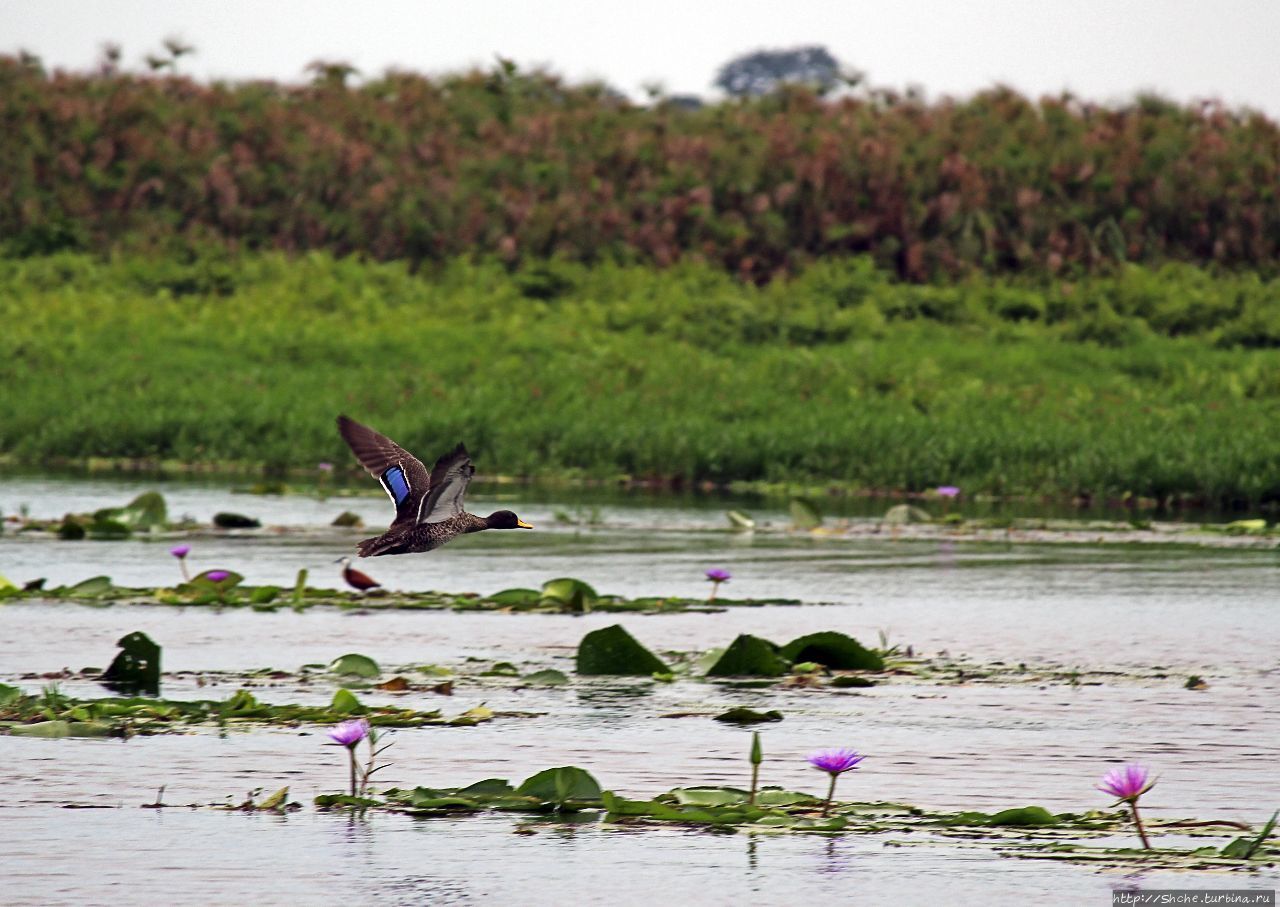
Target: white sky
<point x="1104" y="50"/>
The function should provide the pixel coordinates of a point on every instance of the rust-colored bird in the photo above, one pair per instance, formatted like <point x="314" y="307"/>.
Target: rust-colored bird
<point x="361" y="582"/>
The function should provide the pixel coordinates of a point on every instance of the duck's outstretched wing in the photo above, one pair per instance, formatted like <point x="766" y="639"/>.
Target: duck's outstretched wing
<point x="402" y="474"/>
<point x="449" y="480"/>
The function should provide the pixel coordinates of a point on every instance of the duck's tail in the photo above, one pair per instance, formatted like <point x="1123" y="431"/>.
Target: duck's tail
<point x="380" y="545"/>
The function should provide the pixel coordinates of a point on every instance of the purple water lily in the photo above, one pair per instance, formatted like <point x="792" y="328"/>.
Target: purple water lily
<point x="349" y="733"/>
<point x="216" y="576"/>
<point x="181" y="552"/>
<point x="835" y="763"/>
<point x="325" y="467"/>
<point x="1127" y="784"/>
<point x="948" y="491"/>
<point x="717" y="576"/>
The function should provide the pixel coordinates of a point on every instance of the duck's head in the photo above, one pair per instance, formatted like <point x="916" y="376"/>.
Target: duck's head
<point x="505" y="519"/>
<point x="344" y="561"/>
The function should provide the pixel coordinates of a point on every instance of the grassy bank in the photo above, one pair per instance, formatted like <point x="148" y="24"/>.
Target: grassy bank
<point x="1154" y="383"/>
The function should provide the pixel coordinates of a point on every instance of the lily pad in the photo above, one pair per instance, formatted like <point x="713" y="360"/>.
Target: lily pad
<point x="740" y="521"/>
<point x="749" y="656"/>
<point x="93" y="587"/>
<point x="60" y="728"/>
<point x="136" y="666"/>
<point x="742" y="715"/>
<point x="146" y="511"/>
<point x="907" y="513"/>
<point x="561" y="786"/>
<point x="571" y="594"/>
<point x="833" y="650"/>
<point x="354" y="665"/>
<point x="516" y="597"/>
<point x="547" y="678"/>
<point x="345" y="703"/>
<point x="612" y="650"/>
<point x="348" y="519"/>
<point x="1024" y="817"/>
<point x="805" y="514"/>
<point x="235" y="521"/>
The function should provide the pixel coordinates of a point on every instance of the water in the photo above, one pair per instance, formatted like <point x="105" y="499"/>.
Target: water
<point x="1154" y="614"/>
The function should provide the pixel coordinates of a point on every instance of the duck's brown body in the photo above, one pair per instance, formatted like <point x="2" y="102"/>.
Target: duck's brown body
<point x="429" y="509"/>
<point x="410" y="538"/>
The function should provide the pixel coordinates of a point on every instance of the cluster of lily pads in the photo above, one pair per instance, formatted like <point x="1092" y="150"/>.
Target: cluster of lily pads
<point x="570" y="791"/>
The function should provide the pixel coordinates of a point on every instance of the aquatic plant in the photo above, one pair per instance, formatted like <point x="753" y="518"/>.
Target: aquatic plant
<point x="757" y="756"/>
<point x="947" y="491"/>
<point x="217" y="576"/>
<point x="349" y="734"/>
<point x="181" y="552"/>
<point x="834" y="762"/>
<point x="1127" y="784"/>
<point x="717" y="576"/>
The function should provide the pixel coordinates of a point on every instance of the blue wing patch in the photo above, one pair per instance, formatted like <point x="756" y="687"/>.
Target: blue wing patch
<point x="395" y="483"/>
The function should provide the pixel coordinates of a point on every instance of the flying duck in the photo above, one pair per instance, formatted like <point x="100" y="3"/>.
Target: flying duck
<point x="428" y="506"/>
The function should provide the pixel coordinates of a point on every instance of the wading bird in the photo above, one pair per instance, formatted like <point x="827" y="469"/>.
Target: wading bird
<point x="356" y="579"/>
<point x="428" y="505"/>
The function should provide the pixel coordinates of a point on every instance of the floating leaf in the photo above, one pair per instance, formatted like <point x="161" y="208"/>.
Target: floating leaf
<point x="852" y="680"/>
<point x="907" y="513"/>
<point x="561" y="785"/>
<point x="612" y="650"/>
<point x="805" y="514"/>
<point x="749" y="656"/>
<point x="278" y="800"/>
<point x="262" y="595"/>
<point x="235" y="521"/>
<point x="1246" y="527"/>
<point x="833" y="650"/>
<point x="740" y="521"/>
<point x="8" y="694"/>
<point x="1026" y="816"/>
<point x="547" y="678"/>
<point x="348" y="519"/>
<point x="501" y="669"/>
<point x="571" y="594"/>
<point x="354" y="665"/>
<point x="62" y="729"/>
<point x="71" y="531"/>
<point x="743" y="715"/>
<point x="473" y="716"/>
<point x="136" y="666"/>
<point x="6" y="583"/>
<point x="146" y="511"/>
<point x="516" y="597"/>
<point x="394" y="685"/>
<point x="1245" y="848"/>
<point x="93" y="587"/>
<point x="346" y="703"/>
<point x="709" y="796"/>
<point x="492" y="787"/>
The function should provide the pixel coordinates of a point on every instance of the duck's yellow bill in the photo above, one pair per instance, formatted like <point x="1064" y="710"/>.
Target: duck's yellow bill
<point x="522" y="524"/>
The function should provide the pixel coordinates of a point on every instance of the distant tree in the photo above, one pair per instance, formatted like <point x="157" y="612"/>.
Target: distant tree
<point x="763" y="71"/>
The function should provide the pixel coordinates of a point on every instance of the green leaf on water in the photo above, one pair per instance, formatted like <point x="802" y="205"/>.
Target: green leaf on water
<point x="354" y="665"/>
<point x="146" y="511"/>
<point x="278" y="800"/>
<point x="261" y="595"/>
<point x="907" y="513"/>
<point x="516" y="597"/>
<point x="501" y="669"/>
<point x="560" y="786"/>
<point x="1245" y="848"/>
<point x="345" y="703"/>
<point x="749" y="656"/>
<point x="235" y="521"/>
<point x="571" y="594"/>
<point x="805" y="514"/>
<point x="709" y="796"/>
<point x="489" y="787"/>
<point x="833" y="650"/>
<point x="743" y="715"/>
<point x="612" y="650"/>
<point x="60" y="728"/>
<point x="1026" y="816"/>
<point x="93" y="587"/>
<point x="8" y="693"/>
<point x="740" y="521"/>
<point x="547" y="678"/>
<point x="136" y="666"/>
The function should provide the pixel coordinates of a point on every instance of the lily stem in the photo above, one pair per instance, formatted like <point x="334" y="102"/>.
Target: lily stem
<point x="831" y="792"/>
<point x="1137" y="820"/>
<point x="351" y="751"/>
<point x="755" y="777"/>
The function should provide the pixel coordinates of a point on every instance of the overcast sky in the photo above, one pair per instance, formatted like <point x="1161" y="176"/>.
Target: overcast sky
<point x="1103" y="50"/>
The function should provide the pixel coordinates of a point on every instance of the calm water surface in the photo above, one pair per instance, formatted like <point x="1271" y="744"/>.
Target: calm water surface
<point x="1142" y="611"/>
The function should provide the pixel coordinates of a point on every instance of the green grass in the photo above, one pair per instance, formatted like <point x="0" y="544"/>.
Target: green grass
<point x="840" y="375"/>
